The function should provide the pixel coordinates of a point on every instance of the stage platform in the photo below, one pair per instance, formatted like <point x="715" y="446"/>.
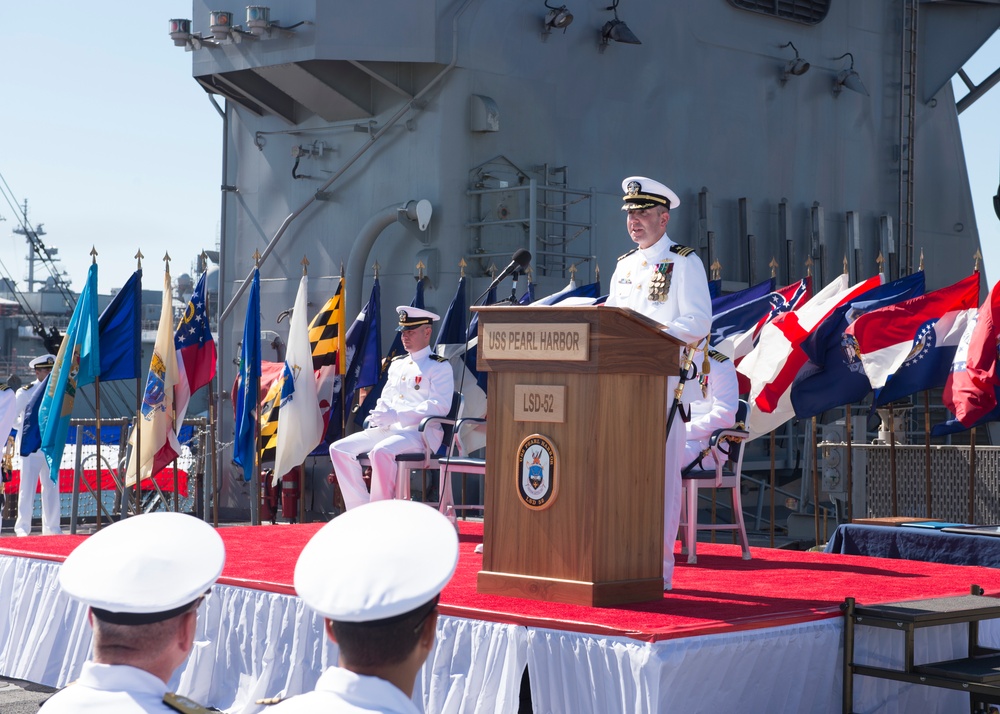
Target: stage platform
<point x="763" y="635"/>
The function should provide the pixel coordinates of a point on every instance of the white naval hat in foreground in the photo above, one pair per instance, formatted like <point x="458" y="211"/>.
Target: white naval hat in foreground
<point x="377" y="561"/>
<point x="642" y="192"/>
<point x="43" y="361"/>
<point x="144" y="569"/>
<point x="411" y="317"/>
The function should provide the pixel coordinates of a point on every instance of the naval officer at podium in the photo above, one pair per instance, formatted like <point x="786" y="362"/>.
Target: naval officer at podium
<point x="666" y="282"/>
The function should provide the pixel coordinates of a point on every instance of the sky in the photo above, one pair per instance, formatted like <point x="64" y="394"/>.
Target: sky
<point x="120" y="149"/>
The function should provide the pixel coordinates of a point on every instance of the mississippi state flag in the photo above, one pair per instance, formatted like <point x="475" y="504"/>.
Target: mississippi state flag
<point x="911" y="332"/>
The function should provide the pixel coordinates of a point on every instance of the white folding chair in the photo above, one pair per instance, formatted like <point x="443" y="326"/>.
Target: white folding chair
<point x="726" y="448"/>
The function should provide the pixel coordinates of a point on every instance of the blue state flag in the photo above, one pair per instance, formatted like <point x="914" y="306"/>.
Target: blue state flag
<point x="591" y="290"/>
<point x="77" y="364"/>
<point x="395" y="350"/>
<point x="453" y="326"/>
<point x="714" y="288"/>
<point x="723" y="303"/>
<point x="245" y="441"/>
<point x="31" y="434"/>
<point x="363" y="344"/>
<point x="529" y="295"/>
<point x="120" y="332"/>
<point x="834" y="375"/>
<point x="473" y="349"/>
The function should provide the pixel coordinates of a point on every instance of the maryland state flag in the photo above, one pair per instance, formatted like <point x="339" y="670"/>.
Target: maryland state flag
<point x="280" y="391"/>
<point x="326" y="331"/>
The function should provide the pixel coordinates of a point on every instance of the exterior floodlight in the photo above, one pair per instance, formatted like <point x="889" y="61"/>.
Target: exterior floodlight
<point x="258" y="19"/>
<point x="221" y="24"/>
<point x="616" y="30"/>
<point x="848" y="78"/>
<point x="556" y="18"/>
<point x="794" y="67"/>
<point x="180" y="32"/>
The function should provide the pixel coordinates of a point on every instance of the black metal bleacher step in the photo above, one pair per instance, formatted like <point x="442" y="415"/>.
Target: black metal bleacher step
<point x="984" y="669"/>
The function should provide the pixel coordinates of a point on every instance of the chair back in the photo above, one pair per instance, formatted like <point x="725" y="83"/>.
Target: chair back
<point x="734" y="445"/>
<point x="448" y="427"/>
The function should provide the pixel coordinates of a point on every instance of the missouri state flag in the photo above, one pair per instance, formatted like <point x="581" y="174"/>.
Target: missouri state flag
<point x="909" y="346"/>
<point x="970" y="389"/>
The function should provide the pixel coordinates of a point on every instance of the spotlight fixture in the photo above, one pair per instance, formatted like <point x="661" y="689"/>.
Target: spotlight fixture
<point x="221" y="24"/>
<point x="616" y="30"/>
<point x="848" y="78"/>
<point x="556" y="18"/>
<point x="180" y="33"/>
<point x="794" y="67"/>
<point x="259" y="26"/>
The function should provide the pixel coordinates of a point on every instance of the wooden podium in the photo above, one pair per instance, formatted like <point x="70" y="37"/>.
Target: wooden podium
<point x="577" y="406"/>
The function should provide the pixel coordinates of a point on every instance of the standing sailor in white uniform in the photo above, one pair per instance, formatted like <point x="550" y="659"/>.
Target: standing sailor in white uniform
<point x="420" y="384"/>
<point x="666" y="282"/>
<point x="33" y="465"/>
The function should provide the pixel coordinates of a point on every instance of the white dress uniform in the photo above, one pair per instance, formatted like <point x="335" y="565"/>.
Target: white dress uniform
<point x="33" y="468"/>
<point x="419" y="385"/>
<point x="110" y="689"/>
<point x="342" y="691"/>
<point x="715" y="408"/>
<point x="666" y="282"/>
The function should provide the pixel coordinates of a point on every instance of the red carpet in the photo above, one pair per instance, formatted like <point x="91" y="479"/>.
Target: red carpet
<point x="721" y="593"/>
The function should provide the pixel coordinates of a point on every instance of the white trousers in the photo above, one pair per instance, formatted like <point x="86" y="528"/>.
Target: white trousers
<point x="33" y="466"/>
<point x="672" y="489"/>
<point x="382" y="445"/>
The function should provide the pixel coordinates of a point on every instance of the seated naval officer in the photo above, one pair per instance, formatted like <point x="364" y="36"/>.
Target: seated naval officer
<point x="379" y="603"/>
<point x="420" y="384"/>
<point x="33" y="465"/>
<point x="143" y="579"/>
<point x="716" y="399"/>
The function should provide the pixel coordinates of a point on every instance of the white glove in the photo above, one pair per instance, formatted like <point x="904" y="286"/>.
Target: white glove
<point x="383" y="418"/>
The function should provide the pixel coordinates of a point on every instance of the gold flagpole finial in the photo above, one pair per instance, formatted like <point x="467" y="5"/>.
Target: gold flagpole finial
<point x="376" y="267"/>
<point x="256" y="259"/>
<point x="138" y="259"/>
<point x="341" y="270"/>
<point x="921" y="266"/>
<point x="845" y="263"/>
<point x="879" y="261"/>
<point x="461" y="267"/>
<point x="716" y="270"/>
<point x="420" y="270"/>
<point x="492" y="270"/>
<point x="809" y="267"/>
<point x="978" y="257"/>
<point x="773" y="265"/>
<point x="572" y="272"/>
<point x="597" y="271"/>
<point x="93" y="254"/>
<point x="305" y="265"/>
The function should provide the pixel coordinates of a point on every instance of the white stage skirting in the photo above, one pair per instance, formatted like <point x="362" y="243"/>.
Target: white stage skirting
<point x="253" y="644"/>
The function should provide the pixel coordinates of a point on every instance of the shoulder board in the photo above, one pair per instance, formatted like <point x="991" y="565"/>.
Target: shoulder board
<point x="681" y="250"/>
<point x="717" y="356"/>
<point x="183" y="704"/>
<point x="627" y="254"/>
<point x="268" y="701"/>
<point x="399" y="357"/>
<point x="438" y="358"/>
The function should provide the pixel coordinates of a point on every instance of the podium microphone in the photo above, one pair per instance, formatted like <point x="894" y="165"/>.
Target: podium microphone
<point x="519" y="261"/>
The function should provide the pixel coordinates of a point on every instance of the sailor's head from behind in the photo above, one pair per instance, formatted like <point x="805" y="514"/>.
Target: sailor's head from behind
<point x="143" y="579"/>
<point x="375" y="574"/>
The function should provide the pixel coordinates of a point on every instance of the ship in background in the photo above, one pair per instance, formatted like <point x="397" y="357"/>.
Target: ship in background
<point x="433" y="132"/>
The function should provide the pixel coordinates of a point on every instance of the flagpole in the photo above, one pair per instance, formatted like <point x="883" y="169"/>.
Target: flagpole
<point x="138" y="410"/>
<point x="302" y="469"/>
<point x="213" y="451"/>
<point x="892" y="460"/>
<point x="850" y="464"/>
<point x="972" y="475"/>
<point x="927" y="451"/>
<point x="815" y="480"/>
<point x="772" y="487"/>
